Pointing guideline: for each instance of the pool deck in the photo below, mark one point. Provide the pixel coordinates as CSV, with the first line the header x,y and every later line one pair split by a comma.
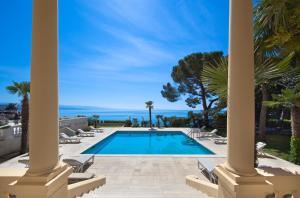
x,y
149,176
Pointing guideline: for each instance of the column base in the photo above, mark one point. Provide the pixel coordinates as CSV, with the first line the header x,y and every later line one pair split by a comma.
x,y
54,184
235,186
247,173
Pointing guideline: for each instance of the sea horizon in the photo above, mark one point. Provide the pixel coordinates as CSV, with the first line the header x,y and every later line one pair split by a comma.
x,y
118,114
107,113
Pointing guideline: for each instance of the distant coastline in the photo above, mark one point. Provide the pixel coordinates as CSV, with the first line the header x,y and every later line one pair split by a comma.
x,y
115,114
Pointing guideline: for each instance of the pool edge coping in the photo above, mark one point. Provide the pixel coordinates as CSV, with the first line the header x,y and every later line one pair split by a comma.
x,y
183,130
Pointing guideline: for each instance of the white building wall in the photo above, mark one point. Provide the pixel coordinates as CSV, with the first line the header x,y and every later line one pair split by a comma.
x,y
74,123
10,136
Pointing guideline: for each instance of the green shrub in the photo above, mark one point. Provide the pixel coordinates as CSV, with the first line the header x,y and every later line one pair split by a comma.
x,y
195,119
176,121
219,121
128,123
295,150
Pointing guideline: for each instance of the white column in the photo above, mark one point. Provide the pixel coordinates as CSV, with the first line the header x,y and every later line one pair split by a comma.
x,y
43,114
240,122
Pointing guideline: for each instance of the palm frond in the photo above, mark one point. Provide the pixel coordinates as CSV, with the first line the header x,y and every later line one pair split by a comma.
x,y
22,88
149,104
215,76
287,98
12,89
270,68
272,103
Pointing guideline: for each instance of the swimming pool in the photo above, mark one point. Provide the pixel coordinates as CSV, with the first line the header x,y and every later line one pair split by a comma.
x,y
148,142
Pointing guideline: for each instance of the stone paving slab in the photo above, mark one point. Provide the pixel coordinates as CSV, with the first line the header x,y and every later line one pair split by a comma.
x,y
139,177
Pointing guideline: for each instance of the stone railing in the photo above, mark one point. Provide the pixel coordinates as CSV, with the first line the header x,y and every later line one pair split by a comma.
x,y
74,123
9,175
284,184
8,131
280,184
206,187
10,139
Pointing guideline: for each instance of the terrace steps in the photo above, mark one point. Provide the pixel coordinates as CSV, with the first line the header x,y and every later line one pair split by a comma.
x,y
140,191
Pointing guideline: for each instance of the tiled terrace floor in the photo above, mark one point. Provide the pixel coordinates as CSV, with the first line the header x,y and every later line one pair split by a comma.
x,y
145,177
149,176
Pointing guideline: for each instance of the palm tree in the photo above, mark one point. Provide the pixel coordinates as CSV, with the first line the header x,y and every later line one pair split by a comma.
x,y
290,98
276,35
158,117
23,90
267,70
149,105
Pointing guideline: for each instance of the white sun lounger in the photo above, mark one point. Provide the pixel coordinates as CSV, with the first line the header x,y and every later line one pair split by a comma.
x,y
97,130
209,134
25,160
71,133
78,177
79,162
260,146
221,140
65,139
207,166
82,133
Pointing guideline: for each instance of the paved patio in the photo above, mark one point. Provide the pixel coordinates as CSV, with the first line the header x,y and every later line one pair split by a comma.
x,y
152,176
145,177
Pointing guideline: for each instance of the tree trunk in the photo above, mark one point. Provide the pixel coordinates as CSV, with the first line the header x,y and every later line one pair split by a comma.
x,y
263,114
284,112
158,123
295,121
24,121
255,151
295,139
150,118
204,105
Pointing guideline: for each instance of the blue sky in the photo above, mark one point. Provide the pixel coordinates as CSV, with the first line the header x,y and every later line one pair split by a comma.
x,y
114,53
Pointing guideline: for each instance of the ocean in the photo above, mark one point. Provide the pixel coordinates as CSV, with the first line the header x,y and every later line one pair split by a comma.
x,y
118,114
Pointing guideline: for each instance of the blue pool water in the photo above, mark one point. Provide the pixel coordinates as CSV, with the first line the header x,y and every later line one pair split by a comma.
x,y
145,142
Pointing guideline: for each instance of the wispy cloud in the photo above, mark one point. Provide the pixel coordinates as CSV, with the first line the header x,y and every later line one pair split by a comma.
x,y
136,41
150,17
127,49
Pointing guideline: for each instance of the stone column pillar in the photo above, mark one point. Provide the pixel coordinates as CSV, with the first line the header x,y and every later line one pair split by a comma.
x,y
240,119
238,178
46,177
43,111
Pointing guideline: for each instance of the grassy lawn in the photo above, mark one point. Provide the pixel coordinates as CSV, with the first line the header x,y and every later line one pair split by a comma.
x,y
278,145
